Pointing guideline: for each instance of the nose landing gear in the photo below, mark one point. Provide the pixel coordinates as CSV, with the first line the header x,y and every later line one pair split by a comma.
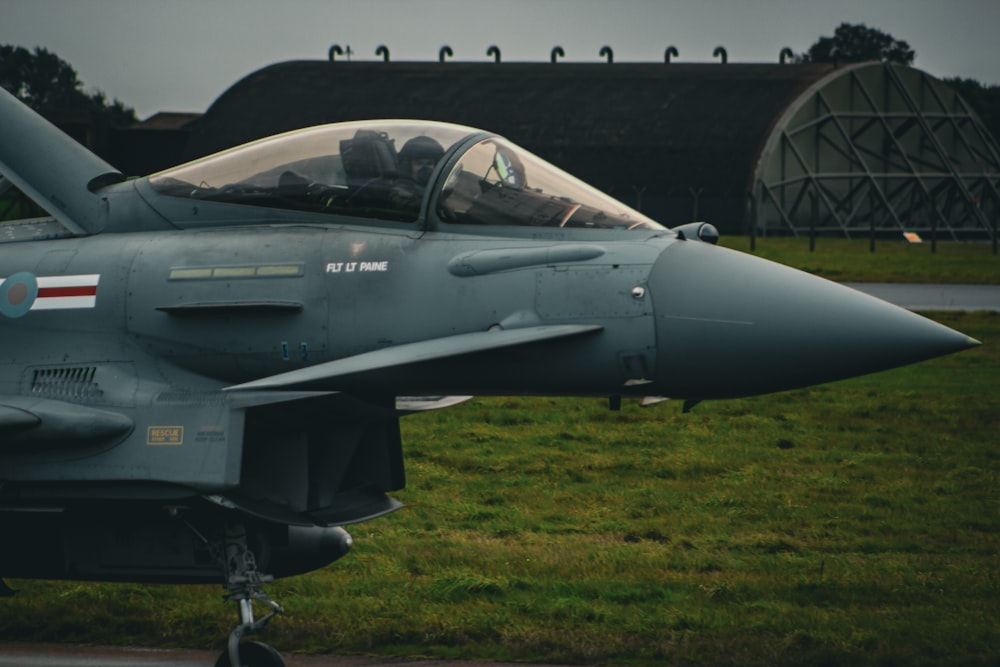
x,y
244,581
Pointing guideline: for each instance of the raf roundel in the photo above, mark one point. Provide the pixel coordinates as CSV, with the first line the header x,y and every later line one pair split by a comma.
x,y
17,294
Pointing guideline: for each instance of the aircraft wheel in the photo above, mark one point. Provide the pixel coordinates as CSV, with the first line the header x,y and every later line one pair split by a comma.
x,y
253,654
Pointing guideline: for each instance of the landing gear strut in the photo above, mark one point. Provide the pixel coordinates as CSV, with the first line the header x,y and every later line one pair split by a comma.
x,y
243,583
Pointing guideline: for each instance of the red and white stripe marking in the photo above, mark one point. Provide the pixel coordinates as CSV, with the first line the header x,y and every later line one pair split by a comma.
x,y
66,292
62,292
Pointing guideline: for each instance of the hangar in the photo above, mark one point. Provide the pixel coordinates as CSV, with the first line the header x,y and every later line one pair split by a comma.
x,y
761,148
878,147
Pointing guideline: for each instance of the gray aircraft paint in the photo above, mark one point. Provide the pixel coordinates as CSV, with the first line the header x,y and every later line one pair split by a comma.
x,y
212,365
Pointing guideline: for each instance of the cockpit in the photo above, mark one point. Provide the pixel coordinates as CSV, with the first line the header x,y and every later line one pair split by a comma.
x,y
391,171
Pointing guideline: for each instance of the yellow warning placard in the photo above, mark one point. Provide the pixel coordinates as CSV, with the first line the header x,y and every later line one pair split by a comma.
x,y
165,435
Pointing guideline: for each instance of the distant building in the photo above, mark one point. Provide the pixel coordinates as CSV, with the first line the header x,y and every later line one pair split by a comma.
x,y
152,144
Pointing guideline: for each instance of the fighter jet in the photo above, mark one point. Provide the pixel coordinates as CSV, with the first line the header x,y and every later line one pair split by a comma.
x,y
202,371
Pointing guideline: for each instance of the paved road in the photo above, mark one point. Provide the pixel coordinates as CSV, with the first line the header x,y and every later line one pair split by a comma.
x,y
934,297
15,654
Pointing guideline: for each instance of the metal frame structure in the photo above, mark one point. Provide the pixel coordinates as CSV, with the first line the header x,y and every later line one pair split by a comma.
x,y
879,148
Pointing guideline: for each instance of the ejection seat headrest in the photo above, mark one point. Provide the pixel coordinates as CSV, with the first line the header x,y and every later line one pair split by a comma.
x,y
370,154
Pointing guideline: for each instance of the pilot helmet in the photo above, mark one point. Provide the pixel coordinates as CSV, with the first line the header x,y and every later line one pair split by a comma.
x,y
418,157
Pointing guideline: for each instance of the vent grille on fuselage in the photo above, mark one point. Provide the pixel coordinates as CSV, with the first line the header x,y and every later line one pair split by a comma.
x,y
73,383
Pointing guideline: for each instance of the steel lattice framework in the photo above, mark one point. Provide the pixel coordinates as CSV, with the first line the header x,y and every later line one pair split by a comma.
x,y
879,148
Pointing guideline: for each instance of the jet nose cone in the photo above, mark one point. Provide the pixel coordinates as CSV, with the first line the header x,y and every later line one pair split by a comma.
x,y
730,324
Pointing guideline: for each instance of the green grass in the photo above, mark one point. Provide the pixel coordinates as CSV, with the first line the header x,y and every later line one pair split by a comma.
x,y
852,523
893,261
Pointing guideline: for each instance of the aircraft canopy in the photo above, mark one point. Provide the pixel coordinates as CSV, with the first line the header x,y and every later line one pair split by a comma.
x,y
388,170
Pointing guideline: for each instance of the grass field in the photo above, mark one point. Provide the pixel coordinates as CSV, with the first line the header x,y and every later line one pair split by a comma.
x,y
893,261
856,523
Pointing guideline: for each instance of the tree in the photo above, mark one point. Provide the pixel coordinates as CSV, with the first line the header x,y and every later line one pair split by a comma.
x,y
46,82
858,43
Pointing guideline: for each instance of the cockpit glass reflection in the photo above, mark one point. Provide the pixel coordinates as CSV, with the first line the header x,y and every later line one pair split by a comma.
x,y
497,183
368,170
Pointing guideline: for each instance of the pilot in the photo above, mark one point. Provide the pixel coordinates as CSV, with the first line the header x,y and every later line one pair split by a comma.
x,y
417,160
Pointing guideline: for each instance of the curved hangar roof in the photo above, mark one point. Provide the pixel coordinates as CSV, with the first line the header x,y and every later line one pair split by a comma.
x,y
621,127
676,141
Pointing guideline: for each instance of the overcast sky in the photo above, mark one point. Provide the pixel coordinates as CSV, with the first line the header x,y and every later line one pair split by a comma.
x,y
179,55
